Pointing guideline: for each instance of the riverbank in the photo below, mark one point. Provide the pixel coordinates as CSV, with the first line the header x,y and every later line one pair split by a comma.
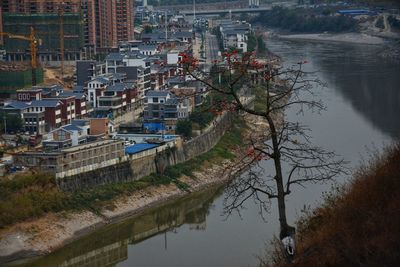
x,y
367,233
353,38
389,48
43,235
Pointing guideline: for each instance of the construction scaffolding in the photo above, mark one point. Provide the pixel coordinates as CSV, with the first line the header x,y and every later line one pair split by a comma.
x,y
47,26
17,75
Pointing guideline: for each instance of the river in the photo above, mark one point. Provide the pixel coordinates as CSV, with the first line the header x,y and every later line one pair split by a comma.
x,y
363,105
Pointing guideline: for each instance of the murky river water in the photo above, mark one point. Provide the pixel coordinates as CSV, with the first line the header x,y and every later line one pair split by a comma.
x,y
363,100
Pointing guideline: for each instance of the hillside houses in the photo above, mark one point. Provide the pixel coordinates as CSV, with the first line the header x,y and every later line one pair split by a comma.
x,y
234,34
166,107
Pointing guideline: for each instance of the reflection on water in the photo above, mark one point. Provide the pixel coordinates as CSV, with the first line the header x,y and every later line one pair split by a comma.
x,y
369,83
109,246
363,99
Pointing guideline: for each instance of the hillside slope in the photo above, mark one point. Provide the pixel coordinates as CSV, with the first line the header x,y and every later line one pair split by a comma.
x,y
360,226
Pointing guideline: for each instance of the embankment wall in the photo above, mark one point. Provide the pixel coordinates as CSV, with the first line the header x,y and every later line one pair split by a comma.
x,y
131,168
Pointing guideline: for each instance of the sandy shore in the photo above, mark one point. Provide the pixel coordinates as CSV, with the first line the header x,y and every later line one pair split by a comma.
x,y
52,231
354,38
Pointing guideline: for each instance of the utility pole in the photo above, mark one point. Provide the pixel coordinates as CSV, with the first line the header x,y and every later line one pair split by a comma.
x,y
5,123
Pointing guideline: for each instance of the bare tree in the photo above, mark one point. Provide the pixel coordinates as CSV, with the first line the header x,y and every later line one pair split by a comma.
x,y
288,144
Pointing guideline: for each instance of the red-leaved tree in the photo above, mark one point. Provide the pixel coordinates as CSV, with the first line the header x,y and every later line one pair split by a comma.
x,y
262,88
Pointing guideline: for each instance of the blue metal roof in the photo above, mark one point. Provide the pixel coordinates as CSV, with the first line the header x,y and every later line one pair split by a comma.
x,y
17,105
153,93
139,148
80,122
45,103
115,56
116,87
154,126
354,11
71,127
69,94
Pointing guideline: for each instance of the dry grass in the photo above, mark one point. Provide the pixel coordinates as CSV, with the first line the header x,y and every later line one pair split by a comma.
x,y
361,225
356,226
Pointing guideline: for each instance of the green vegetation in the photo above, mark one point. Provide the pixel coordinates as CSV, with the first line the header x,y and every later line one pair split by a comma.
x,y
260,103
184,128
394,22
202,116
261,47
28,196
32,195
301,20
251,42
13,123
255,42
357,225
379,23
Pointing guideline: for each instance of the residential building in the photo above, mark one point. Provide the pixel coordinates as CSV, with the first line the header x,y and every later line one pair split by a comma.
x,y
148,49
113,98
51,91
51,109
109,22
67,107
165,106
81,107
101,126
155,106
27,95
235,34
86,70
66,136
37,116
97,85
135,67
114,60
89,155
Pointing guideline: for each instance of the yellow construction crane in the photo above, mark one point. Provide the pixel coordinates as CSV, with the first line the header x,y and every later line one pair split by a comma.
x,y
34,42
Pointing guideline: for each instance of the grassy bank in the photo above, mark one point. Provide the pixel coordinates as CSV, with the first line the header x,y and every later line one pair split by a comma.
x,y
302,20
32,195
359,225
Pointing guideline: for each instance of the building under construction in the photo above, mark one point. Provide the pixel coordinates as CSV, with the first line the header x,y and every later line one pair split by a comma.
x,y
47,26
17,75
88,26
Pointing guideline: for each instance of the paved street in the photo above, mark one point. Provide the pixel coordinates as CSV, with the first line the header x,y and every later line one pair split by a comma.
x,y
212,50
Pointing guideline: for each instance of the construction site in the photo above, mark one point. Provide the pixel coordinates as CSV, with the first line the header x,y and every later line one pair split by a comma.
x,y
51,29
49,35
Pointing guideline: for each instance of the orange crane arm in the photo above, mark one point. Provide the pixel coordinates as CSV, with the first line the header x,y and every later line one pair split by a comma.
x,y
15,36
33,43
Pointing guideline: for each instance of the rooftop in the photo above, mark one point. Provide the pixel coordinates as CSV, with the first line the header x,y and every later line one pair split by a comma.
x,y
89,145
17,105
116,87
137,148
152,93
45,103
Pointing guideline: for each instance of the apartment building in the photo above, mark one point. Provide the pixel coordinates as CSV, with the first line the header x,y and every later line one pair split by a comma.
x,y
108,22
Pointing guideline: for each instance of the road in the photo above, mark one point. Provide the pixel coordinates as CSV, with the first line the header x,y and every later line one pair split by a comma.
x,y
212,49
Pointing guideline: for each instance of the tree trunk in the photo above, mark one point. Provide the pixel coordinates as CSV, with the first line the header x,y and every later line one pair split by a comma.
x,y
285,229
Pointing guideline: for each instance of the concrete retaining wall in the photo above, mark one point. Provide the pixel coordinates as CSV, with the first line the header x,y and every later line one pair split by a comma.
x,y
131,168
